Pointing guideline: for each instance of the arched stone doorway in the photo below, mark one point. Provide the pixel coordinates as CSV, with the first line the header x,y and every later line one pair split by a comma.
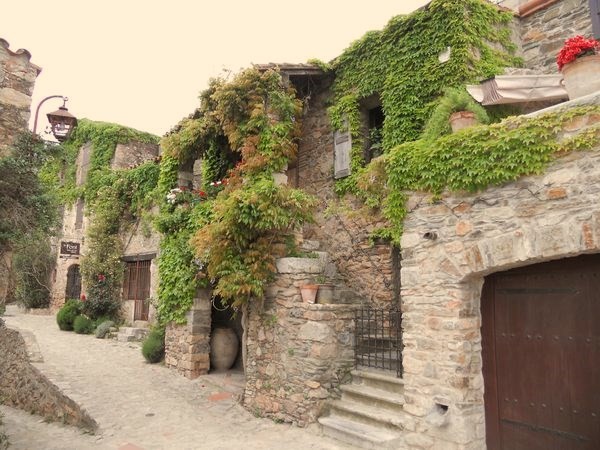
x,y
541,355
73,288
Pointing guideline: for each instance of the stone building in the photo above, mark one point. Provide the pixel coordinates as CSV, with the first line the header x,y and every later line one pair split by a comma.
x,y
494,288
140,246
17,79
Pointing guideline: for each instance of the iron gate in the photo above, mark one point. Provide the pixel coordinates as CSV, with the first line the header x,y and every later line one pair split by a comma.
x,y
378,338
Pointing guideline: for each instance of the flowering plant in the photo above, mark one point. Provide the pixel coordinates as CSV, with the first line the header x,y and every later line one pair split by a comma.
x,y
574,48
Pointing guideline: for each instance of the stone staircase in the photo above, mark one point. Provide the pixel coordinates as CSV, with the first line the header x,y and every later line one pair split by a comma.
x,y
370,413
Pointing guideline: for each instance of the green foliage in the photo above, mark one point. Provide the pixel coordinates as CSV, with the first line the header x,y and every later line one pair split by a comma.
x,y
33,262
67,314
251,121
83,325
102,298
153,347
400,64
478,157
454,100
25,206
103,328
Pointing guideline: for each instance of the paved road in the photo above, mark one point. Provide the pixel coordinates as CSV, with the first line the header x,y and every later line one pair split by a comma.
x,y
141,406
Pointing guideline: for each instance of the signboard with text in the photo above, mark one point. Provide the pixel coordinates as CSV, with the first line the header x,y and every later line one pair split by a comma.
x,y
69,248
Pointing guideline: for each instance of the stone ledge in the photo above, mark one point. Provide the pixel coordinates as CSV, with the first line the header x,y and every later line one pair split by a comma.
x,y
295,265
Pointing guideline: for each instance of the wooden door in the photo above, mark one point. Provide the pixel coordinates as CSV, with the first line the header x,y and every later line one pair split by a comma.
x,y
73,288
541,356
136,287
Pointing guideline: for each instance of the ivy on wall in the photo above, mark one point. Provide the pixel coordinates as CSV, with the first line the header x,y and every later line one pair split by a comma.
x,y
401,65
245,130
113,198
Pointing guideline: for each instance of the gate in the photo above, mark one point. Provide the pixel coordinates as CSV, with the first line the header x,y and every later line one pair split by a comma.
x,y
541,356
73,289
136,287
378,338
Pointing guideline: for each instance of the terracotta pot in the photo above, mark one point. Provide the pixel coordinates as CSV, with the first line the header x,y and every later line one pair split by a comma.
x,y
582,76
309,292
224,346
462,119
325,294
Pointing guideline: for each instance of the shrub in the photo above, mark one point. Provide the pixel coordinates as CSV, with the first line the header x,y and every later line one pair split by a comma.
x,y
33,262
100,301
103,329
153,347
4,444
83,325
67,314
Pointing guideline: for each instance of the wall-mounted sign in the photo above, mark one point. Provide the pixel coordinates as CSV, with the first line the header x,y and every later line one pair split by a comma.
x,y
69,248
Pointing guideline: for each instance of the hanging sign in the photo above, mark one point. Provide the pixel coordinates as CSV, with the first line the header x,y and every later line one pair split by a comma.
x,y
69,248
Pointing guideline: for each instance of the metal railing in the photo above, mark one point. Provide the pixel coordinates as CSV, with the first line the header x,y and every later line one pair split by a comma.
x,y
378,338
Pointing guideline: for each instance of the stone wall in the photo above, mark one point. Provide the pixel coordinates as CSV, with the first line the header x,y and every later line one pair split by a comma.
x,y
531,220
187,346
342,233
297,353
17,78
23,386
544,31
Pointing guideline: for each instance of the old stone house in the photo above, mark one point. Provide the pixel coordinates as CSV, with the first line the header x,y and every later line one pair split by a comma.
x,y
495,289
139,242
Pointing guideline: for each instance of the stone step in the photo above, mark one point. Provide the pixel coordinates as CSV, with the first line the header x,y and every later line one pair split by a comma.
x,y
295,265
370,396
378,380
310,245
132,334
359,434
368,415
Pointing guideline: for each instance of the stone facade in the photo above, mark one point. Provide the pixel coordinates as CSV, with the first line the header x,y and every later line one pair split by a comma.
x,y
343,233
544,31
297,353
23,386
187,346
532,220
139,241
17,79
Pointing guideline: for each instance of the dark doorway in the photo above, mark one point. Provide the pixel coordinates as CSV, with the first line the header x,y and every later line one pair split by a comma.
x,y
541,356
73,289
136,287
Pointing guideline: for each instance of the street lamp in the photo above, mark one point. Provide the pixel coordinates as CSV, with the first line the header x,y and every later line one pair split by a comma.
x,y
61,121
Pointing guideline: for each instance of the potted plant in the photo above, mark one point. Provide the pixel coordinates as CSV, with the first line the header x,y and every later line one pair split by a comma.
x,y
579,62
455,110
309,292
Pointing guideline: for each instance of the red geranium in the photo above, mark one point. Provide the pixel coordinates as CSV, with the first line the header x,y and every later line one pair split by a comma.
x,y
574,48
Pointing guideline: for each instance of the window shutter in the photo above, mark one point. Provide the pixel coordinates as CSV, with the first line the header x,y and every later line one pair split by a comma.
x,y
342,141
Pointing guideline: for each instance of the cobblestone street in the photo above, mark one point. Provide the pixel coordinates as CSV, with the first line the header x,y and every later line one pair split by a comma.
x,y
138,405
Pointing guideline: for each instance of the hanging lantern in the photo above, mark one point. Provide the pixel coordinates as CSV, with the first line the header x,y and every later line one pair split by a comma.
x,y
62,122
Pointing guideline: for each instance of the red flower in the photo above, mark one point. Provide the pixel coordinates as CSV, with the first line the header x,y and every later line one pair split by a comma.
x,y
574,48
83,297
101,278
202,194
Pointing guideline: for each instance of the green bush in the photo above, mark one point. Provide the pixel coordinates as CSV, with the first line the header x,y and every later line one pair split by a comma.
x,y
153,347
103,329
83,325
100,301
67,314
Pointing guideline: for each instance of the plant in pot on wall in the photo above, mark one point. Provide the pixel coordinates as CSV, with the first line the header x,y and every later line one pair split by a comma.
x,y
309,292
455,110
579,62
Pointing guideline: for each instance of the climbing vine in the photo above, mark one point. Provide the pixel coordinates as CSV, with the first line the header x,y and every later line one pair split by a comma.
x,y
245,130
400,64
113,198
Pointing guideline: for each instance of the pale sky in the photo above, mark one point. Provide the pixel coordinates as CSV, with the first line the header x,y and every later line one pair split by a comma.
x,y
142,63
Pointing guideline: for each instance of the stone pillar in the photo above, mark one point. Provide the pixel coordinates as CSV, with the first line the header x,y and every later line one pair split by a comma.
x,y
187,346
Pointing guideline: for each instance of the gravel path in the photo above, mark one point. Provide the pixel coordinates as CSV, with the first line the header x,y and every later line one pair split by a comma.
x,y
138,405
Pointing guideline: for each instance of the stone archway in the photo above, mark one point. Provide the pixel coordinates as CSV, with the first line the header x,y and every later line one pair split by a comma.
x,y
448,248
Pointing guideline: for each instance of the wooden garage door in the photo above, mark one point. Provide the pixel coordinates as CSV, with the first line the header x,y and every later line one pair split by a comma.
x,y
541,356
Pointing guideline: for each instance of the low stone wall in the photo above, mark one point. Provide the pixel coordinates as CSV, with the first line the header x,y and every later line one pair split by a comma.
x,y
187,347
23,386
297,353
